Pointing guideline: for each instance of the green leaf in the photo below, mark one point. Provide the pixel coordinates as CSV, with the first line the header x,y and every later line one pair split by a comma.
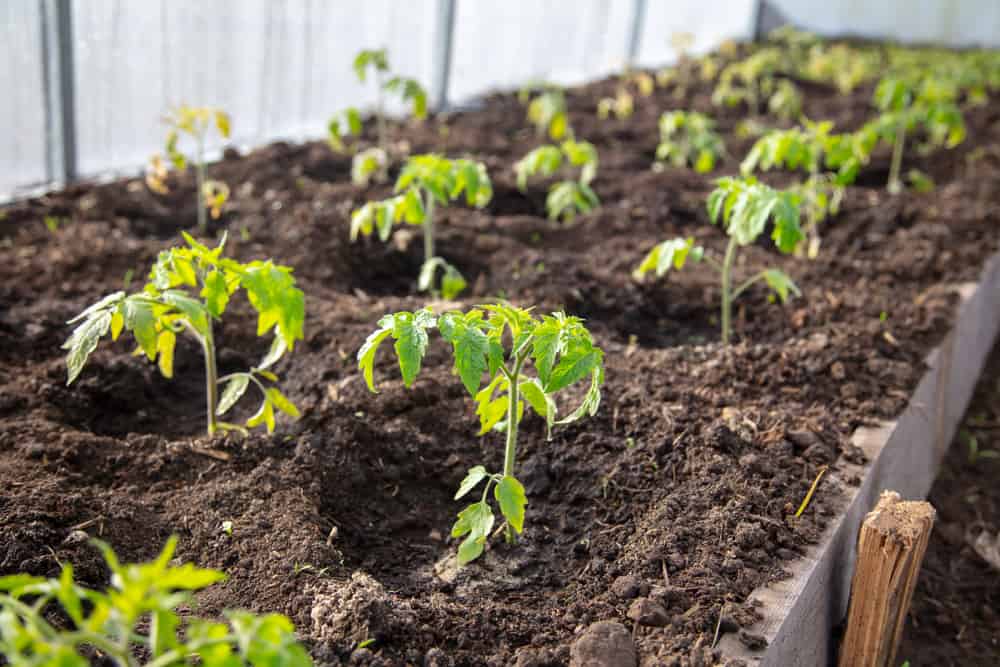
x,y
165,343
476,521
272,292
470,346
193,310
510,494
140,321
472,479
234,390
216,293
83,341
281,402
591,400
410,334
781,284
366,355
576,363
274,353
490,413
265,415
671,254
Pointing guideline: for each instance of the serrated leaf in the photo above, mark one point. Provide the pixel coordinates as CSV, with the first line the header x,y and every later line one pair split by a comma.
x,y
366,355
575,364
470,346
194,311
234,390
472,479
490,413
83,341
543,404
476,521
510,495
591,400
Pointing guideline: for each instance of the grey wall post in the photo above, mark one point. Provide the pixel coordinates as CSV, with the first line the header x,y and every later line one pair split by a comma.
x,y
59,94
445,29
634,39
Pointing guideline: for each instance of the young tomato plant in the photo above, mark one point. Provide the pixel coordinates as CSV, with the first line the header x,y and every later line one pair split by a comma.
x,y
905,107
547,112
140,614
196,123
409,90
566,198
808,148
751,81
498,341
188,289
744,207
425,182
689,138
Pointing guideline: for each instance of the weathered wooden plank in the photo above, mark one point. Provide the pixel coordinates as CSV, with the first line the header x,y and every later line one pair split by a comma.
x,y
799,613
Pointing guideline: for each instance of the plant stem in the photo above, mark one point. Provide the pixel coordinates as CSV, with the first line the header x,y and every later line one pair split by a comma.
x,y
510,451
727,295
200,184
211,378
429,229
895,186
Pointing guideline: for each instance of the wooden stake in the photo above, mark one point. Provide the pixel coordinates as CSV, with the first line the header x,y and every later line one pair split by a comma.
x,y
891,548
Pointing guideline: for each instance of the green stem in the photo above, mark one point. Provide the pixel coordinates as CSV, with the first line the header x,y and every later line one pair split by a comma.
x,y
199,196
510,451
742,288
895,186
211,382
211,373
429,229
727,295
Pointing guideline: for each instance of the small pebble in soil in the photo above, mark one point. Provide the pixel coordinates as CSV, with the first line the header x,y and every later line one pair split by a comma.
x,y
604,644
645,611
626,587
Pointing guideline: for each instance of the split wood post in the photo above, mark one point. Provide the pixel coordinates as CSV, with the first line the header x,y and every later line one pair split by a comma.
x,y
891,548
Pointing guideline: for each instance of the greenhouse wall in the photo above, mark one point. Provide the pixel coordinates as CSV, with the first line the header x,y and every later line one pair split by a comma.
x,y
282,68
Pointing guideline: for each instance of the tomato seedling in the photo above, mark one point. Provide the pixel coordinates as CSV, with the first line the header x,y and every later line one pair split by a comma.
x,y
566,198
905,106
743,206
426,181
809,148
196,123
145,611
689,138
547,111
497,341
373,162
169,304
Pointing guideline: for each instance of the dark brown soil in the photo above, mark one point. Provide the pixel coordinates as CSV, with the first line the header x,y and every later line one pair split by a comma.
x,y
955,615
679,490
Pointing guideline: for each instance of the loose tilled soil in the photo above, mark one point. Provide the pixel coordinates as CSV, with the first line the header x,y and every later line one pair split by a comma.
x,y
677,494
955,616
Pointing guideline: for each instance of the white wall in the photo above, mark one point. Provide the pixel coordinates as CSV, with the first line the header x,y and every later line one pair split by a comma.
x,y
22,124
948,22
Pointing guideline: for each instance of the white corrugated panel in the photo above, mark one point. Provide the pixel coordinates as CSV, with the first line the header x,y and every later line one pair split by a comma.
x,y
501,45
709,21
22,118
949,22
280,68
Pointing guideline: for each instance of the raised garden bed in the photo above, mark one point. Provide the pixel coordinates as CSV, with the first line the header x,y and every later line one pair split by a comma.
x,y
680,491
